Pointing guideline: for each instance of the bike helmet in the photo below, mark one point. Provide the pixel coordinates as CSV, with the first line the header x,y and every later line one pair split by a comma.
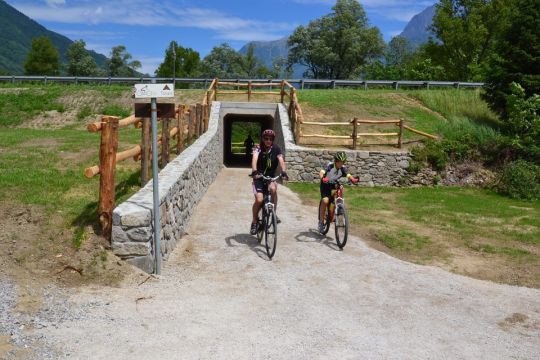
x,y
269,132
340,156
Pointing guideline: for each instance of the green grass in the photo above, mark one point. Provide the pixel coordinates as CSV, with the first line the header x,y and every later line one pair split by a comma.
x,y
422,224
17,106
33,171
458,104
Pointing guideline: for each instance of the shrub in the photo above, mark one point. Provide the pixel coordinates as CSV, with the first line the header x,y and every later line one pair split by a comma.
x,y
521,180
115,110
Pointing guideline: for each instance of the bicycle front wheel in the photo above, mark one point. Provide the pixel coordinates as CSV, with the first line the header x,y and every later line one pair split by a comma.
x,y
341,225
270,233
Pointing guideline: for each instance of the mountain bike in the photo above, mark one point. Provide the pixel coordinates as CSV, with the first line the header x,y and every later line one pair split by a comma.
x,y
267,220
336,213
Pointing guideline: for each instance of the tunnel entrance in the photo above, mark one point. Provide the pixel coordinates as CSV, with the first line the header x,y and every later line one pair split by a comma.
x,y
237,129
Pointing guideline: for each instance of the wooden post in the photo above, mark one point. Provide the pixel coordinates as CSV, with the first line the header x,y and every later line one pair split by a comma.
x,y
190,124
206,111
180,135
164,142
354,133
249,91
282,91
200,125
107,165
145,151
215,89
400,136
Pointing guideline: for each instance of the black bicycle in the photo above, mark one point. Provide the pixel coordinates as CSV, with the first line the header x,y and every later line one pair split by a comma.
x,y
267,220
336,213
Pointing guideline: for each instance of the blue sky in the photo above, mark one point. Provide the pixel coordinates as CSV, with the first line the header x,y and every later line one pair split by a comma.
x,y
147,27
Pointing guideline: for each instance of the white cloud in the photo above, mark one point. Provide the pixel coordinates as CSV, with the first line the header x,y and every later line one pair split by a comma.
x,y
55,3
149,64
145,13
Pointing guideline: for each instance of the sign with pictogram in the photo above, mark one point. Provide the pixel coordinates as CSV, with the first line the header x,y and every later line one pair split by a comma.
x,y
144,91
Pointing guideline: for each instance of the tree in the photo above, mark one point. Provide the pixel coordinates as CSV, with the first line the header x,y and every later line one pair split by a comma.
x,y
516,58
80,63
119,64
466,32
337,45
223,62
43,58
186,63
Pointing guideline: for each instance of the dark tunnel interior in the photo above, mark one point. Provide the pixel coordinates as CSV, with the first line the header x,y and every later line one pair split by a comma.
x,y
237,128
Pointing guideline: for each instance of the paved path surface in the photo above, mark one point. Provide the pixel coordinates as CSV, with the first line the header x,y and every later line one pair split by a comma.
x,y
225,300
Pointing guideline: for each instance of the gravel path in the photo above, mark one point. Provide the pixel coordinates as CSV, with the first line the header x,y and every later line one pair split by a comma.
x,y
225,300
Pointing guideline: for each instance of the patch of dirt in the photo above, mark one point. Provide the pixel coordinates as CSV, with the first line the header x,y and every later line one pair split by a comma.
x,y
46,143
51,120
518,320
35,252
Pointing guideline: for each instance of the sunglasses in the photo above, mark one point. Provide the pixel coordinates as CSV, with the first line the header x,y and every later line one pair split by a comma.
x,y
268,139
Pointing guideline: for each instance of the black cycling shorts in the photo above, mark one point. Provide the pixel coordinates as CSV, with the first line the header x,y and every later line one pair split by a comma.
x,y
258,186
326,190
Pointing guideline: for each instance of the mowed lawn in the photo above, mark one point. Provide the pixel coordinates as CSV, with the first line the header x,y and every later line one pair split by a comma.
x,y
469,231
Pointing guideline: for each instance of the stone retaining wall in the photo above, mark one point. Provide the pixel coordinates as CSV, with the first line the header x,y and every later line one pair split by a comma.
x,y
373,168
182,183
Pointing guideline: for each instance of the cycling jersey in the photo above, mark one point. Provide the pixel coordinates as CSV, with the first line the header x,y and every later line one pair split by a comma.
x,y
332,173
268,161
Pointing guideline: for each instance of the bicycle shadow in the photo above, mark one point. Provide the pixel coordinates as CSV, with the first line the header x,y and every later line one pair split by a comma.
x,y
314,236
250,241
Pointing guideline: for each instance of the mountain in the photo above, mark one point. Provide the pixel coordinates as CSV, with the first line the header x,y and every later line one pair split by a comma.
x,y
16,33
267,51
417,30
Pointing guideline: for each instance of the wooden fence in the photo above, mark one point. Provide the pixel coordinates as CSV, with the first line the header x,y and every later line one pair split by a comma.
x,y
356,135
190,122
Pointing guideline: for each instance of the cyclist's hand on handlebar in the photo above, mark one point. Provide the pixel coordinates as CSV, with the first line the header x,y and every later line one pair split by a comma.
x,y
284,175
325,180
254,173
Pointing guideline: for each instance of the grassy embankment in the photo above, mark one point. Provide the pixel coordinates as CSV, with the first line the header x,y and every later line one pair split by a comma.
x,y
465,230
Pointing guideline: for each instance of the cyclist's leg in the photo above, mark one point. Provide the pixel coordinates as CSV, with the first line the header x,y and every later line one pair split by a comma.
x,y
322,209
257,204
273,192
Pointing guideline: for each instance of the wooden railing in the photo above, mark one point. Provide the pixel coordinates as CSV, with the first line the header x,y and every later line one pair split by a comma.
x,y
355,135
190,122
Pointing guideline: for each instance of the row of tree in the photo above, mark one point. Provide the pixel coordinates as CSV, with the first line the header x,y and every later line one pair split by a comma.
x,y
222,62
44,59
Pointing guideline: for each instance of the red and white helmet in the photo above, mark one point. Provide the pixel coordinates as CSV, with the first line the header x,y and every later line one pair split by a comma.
x,y
269,132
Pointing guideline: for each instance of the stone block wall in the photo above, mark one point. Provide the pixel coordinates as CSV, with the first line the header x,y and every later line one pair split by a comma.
x,y
182,183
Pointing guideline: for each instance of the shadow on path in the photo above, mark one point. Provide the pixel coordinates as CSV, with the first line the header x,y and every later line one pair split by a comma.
x,y
314,236
250,241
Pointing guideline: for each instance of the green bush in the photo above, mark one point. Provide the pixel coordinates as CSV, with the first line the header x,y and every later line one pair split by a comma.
x,y
432,153
84,112
520,180
115,110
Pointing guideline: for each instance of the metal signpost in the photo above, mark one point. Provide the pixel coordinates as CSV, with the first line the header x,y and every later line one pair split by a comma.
x,y
153,91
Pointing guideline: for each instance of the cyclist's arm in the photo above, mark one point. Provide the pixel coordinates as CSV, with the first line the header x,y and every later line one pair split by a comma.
x,y
282,163
322,173
254,159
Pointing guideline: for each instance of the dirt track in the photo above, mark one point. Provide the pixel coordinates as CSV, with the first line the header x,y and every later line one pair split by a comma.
x,y
225,300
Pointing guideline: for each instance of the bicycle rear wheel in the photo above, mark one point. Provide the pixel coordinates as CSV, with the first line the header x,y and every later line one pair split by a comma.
x,y
270,233
341,225
326,220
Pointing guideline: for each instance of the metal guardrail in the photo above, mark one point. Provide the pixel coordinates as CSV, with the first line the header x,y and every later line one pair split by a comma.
x,y
300,83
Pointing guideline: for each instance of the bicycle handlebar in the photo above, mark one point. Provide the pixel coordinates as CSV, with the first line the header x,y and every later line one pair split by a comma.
x,y
267,178
341,182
